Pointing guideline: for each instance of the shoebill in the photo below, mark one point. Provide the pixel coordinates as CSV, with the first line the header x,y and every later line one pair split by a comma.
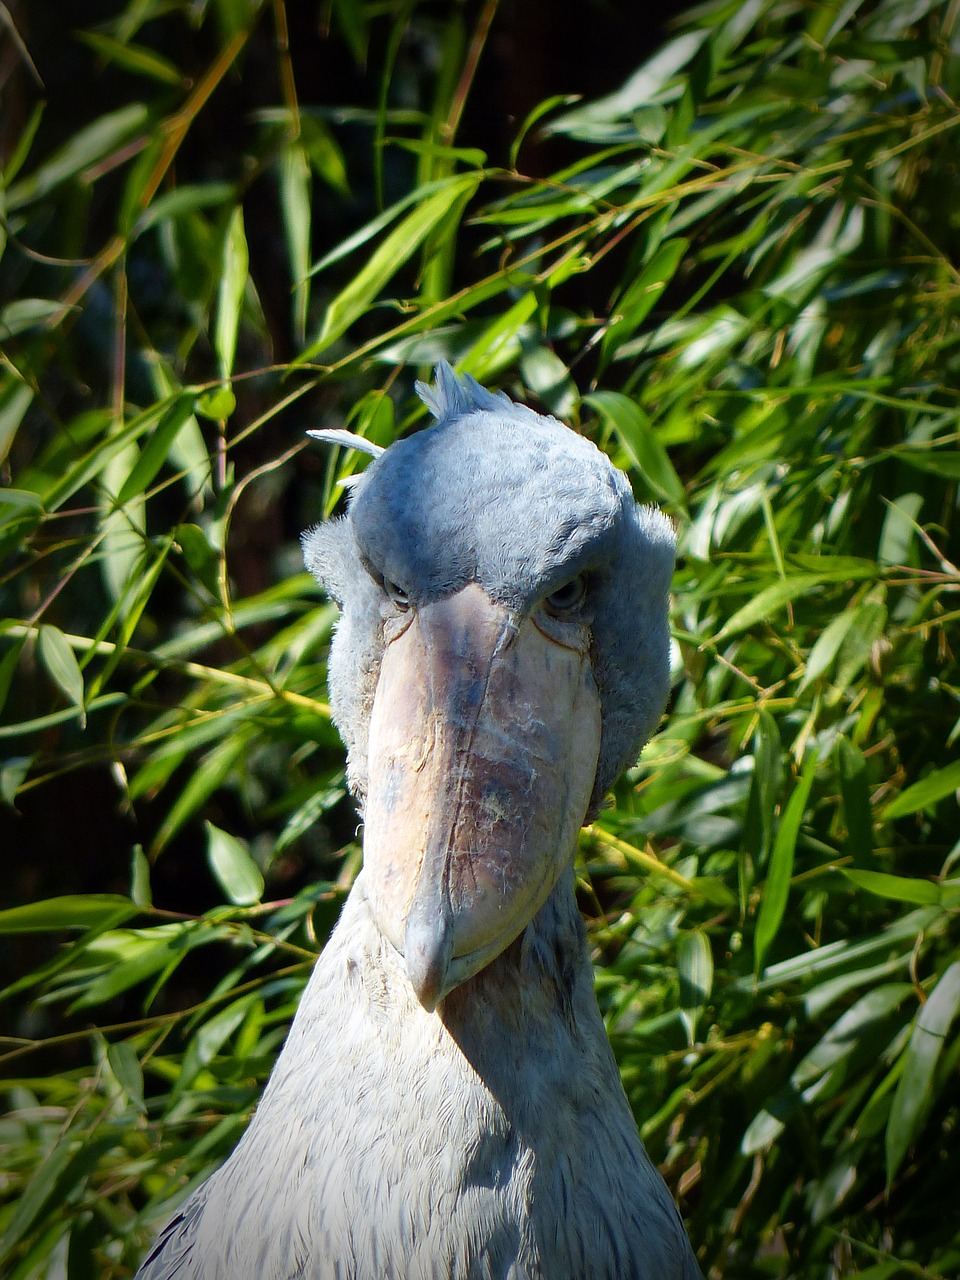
x,y
447,1105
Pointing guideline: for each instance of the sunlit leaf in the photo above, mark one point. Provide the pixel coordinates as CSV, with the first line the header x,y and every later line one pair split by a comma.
x,y
294,178
635,432
233,282
238,875
695,971
387,258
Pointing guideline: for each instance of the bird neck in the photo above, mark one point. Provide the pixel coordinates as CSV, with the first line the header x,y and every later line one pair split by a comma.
x,y
535,994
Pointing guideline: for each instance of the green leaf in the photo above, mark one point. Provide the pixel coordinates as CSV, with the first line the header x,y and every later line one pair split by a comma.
x,y
928,791
39,1190
233,282
214,768
203,559
84,149
635,432
125,1066
208,1041
549,379
154,453
8,666
695,971
825,647
899,888
80,911
217,404
776,888
295,204
61,664
938,462
915,1088
28,313
132,57
122,526
236,872
768,602
140,892
760,819
130,956
641,295
13,774
855,790
388,257
184,200
15,399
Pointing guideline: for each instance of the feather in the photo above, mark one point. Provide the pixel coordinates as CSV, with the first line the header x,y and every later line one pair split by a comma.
x,y
348,440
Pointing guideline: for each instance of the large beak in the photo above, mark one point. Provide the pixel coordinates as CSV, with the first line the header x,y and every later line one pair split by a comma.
x,y
483,749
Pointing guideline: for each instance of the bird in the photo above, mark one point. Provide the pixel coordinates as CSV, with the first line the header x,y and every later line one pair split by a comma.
x,y
447,1105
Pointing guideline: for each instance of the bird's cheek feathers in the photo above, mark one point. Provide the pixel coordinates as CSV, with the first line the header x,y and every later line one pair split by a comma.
x,y
481,761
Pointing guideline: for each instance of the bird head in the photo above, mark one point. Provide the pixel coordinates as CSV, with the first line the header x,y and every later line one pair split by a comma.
x,y
502,655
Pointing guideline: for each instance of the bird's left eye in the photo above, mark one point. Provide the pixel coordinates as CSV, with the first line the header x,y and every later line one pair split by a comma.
x,y
568,597
398,597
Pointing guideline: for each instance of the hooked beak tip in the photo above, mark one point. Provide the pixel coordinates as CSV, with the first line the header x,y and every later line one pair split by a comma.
x,y
428,947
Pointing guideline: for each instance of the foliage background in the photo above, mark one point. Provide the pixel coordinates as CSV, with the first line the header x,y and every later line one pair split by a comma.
x,y
733,263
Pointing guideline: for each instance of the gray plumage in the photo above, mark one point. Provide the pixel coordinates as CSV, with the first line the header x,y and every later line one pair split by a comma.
x,y
488,1137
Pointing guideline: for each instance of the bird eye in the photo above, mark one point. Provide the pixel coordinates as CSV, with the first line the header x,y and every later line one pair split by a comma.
x,y
568,597
397,596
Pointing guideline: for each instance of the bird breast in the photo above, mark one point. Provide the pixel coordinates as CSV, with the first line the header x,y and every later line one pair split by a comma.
x,y
488,1141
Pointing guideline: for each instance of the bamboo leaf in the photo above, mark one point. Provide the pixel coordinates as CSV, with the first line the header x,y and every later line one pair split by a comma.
x,y
635,432
776,888
642,294
233,282
154,454
398,247
928,791
237,873
899,888
768,602
760,820
915,1088
295,203
208,1041
84,148
28,313
8,666
826,646
132,57
79,911
61,664
855,790
695,971
125,1066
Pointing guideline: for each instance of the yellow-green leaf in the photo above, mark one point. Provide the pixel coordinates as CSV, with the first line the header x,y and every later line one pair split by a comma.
x,y
936,785
233,282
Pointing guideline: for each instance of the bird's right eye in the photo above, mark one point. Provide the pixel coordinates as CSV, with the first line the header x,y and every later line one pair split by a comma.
x,y
397,596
